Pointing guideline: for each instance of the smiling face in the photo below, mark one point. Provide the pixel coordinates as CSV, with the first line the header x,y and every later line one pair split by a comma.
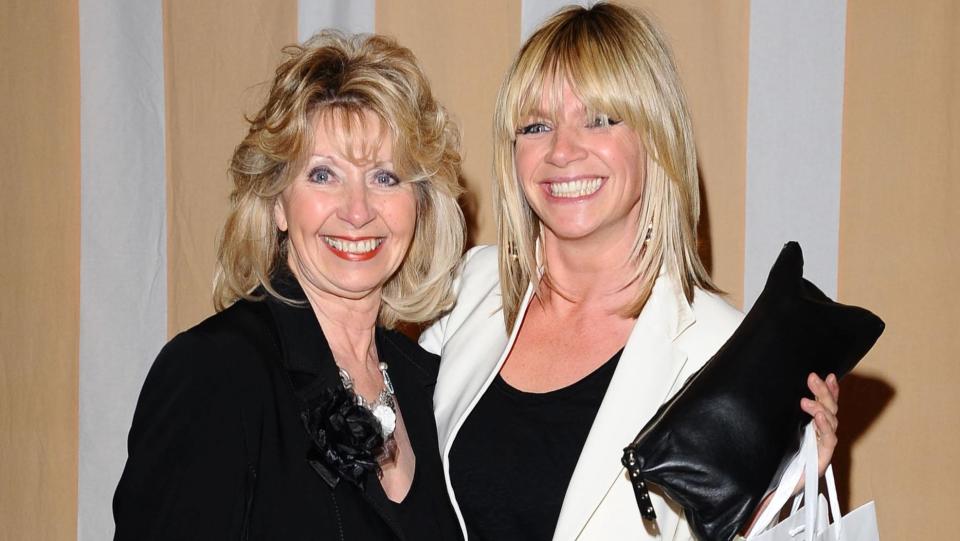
x,y
583,177
348,217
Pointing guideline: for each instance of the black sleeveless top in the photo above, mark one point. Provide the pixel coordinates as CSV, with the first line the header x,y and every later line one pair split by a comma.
x,y
514,456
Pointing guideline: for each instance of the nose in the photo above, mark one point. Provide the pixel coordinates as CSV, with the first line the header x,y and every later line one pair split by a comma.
x,y
565,146
355,208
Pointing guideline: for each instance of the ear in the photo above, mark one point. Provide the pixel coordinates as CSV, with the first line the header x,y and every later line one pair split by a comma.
x,y
279,214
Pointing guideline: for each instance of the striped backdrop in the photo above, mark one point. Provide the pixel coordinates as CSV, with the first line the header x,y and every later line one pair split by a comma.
x,y
831,122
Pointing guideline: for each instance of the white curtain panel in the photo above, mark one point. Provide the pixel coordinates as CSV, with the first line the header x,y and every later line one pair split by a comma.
x,y
123,263
534,12
350,16
794,121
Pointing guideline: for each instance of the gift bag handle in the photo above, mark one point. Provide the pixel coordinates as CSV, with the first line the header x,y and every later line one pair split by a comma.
x,y
804,464
789,479
812,488
834,504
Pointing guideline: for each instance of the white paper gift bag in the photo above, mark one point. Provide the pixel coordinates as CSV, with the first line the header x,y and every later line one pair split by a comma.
x,y
811,522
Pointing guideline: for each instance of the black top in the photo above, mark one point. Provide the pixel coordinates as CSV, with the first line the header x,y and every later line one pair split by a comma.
x,y
513,457
218,450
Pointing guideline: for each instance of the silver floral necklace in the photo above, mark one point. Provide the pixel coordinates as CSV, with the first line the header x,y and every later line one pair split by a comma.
x,y
384,408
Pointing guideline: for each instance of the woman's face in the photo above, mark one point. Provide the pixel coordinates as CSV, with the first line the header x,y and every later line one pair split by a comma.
x,y
349,218
582,176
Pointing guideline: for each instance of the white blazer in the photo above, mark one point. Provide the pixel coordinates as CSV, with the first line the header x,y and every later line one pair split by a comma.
x,y
670,341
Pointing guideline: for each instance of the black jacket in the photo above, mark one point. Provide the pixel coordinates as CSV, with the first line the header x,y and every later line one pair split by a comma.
x,y
217,449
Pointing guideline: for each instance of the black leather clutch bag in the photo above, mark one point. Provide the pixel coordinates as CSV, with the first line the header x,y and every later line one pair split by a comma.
x,y
720,444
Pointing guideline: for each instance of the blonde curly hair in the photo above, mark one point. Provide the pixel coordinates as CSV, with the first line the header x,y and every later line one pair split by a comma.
x,y
346,76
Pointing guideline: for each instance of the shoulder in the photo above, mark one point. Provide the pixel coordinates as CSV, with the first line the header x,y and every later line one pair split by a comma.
x,y
715,320
479,257
477,288
224,351
478,280
479,269
204,381
713,310
195,428
245,324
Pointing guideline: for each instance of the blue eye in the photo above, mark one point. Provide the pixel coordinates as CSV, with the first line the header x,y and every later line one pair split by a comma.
x,y
320,175
602,121
533,129
386,178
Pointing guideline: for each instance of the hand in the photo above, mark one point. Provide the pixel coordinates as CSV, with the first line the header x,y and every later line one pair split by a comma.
x,y
824,412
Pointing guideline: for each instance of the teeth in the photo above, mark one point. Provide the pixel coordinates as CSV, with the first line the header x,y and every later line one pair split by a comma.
x,y
575,188
353,246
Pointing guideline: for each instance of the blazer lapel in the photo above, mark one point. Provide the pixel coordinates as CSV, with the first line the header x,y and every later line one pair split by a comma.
x,y
647,371
481,346
308,362
472,357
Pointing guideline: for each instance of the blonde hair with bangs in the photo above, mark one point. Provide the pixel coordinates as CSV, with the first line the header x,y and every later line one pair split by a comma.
x,y
618,64
334,79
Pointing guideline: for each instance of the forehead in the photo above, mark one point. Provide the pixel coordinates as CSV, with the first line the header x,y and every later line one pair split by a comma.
x,y
556,95
555,98
358,136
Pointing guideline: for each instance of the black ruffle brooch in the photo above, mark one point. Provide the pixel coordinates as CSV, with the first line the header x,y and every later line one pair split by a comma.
x,y
345,438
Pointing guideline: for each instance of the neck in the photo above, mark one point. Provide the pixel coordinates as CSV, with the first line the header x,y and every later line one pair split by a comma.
x,y
348,325
587,273
349,330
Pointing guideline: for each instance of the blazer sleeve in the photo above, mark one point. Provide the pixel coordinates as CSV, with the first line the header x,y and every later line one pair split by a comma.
x,y
187,475
434,337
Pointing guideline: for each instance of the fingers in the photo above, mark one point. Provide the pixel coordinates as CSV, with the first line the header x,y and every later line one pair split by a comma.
x,y
834,385
826,432
824,412
826,392
826,442
818,411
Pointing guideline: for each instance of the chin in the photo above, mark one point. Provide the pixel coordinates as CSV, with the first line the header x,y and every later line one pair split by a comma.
x,y
355,291
572,231
358,282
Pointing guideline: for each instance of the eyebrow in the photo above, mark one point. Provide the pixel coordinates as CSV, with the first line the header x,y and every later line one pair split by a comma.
x,y
384,164
539,112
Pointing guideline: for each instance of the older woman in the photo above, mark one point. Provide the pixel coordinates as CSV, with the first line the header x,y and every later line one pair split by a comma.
x,y
295,412
596,307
